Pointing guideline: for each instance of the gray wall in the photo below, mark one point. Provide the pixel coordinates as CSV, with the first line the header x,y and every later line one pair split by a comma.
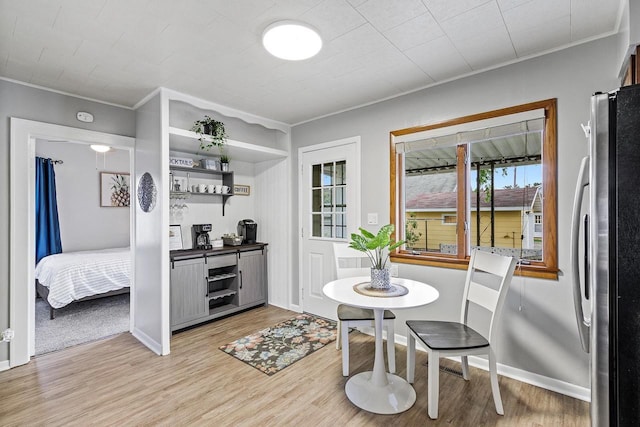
x,y
539,333
84,224
34,104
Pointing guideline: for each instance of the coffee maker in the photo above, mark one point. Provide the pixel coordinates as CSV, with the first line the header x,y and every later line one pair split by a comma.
x,y
200,234
248,230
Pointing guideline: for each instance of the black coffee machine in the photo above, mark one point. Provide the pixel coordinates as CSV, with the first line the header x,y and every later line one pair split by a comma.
x,y
248,230
200,236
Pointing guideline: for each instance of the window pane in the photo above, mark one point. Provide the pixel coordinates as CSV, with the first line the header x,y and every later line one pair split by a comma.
x,y
327,226
316,200
316,225
315,176
327,174
341,197
430,191
327,200
341,226
508,218
341,173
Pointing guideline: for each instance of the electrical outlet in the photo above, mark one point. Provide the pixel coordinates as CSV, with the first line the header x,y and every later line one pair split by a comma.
x,y
372,218
393,271
8,335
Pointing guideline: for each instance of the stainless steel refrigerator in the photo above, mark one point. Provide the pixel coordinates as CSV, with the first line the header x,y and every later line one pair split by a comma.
x,y
605,256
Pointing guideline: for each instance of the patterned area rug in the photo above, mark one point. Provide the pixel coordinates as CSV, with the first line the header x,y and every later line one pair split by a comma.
x,y
273,349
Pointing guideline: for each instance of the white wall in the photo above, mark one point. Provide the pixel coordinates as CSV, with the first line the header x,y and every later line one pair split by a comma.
x,y
84,224
539,332
150,297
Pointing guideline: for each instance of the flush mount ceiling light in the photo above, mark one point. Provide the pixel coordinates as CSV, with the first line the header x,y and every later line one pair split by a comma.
x,y
100,148
291,40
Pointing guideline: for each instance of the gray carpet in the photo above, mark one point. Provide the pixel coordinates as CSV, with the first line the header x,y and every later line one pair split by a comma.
x,y
80,322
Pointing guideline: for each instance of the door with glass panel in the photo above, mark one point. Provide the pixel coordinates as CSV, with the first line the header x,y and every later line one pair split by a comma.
x,y
329,188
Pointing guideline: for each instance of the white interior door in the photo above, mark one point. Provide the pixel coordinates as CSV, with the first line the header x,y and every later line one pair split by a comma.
x,y
330,212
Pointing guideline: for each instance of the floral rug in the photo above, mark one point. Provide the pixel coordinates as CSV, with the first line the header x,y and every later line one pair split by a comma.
x,y
273,349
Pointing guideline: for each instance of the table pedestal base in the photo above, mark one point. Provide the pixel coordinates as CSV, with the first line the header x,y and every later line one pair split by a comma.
x,y
392,398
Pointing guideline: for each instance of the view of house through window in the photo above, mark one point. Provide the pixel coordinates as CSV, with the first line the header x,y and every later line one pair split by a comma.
x,y
479,186
328,200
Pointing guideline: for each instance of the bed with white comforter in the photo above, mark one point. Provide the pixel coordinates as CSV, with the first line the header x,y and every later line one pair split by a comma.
x,y
75,275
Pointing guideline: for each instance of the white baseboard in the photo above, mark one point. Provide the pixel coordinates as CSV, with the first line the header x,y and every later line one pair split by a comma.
x,y
537,380
293,307
4,365
145,339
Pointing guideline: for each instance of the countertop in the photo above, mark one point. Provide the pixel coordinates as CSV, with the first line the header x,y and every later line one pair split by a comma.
x,y
195,253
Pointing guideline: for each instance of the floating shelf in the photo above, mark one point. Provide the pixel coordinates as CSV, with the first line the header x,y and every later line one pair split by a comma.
x,y
186,141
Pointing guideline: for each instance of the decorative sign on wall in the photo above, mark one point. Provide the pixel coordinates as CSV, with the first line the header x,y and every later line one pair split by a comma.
x,y
147,192
241,190
114,189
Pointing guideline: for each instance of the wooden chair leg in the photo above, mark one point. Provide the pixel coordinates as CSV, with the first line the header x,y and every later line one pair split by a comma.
x,y
465,367
495,389
338,335
433,383
411,357
345,350
391,346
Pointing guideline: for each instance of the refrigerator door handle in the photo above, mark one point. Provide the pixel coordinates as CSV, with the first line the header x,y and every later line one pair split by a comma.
x,y
583,181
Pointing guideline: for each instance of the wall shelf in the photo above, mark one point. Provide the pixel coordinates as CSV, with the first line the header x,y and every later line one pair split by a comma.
x,y
186,141
227,179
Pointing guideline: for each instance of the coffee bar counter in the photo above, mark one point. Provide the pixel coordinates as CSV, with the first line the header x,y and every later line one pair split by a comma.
x,y
207,284
181,254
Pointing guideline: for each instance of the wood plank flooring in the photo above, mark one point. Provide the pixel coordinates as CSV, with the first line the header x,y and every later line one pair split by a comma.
x,y
117,381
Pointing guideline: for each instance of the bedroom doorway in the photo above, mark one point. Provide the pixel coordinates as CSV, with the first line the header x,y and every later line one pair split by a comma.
x,y
83,292
23,136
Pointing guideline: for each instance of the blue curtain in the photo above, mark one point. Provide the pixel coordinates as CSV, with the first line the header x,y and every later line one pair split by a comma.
x,y
47,225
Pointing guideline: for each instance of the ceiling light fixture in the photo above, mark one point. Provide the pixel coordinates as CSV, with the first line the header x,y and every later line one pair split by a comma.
x,y
291,40
100,148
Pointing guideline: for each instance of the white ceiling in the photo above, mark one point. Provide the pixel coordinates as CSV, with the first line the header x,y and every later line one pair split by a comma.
x,y
118,51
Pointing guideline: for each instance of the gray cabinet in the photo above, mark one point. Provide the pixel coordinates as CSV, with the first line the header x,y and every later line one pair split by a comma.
x,y
252,267
206,285
188,291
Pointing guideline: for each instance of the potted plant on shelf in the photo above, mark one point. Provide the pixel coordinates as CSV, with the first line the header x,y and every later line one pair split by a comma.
x,y
377,247
224,162
210,132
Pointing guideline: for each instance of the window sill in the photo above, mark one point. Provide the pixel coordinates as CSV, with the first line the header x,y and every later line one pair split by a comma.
x,y
539,271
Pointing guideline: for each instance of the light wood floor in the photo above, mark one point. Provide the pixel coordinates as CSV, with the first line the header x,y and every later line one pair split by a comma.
x,y
117,381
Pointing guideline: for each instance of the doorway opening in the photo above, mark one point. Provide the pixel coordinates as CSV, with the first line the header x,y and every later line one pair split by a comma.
x,y
22,258
82,291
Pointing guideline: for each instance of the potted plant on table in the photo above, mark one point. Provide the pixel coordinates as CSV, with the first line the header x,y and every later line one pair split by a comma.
x,y
377,247
210,132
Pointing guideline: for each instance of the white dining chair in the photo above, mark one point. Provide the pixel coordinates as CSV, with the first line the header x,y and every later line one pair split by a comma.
x,y
445,339
348,263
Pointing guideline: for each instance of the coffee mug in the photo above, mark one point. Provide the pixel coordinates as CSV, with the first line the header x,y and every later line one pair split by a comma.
x,y
202,188
211,188
225,189
219,188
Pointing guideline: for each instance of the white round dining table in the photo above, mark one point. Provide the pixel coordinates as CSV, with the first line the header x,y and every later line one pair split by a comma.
x,y
378,391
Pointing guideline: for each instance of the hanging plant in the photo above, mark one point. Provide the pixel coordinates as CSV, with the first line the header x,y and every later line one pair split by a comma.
x,y
210,132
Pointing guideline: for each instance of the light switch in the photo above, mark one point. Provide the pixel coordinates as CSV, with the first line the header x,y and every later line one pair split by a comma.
x,y
372,218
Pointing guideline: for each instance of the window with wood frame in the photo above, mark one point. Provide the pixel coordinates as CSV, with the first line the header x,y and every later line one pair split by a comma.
x,y
488,180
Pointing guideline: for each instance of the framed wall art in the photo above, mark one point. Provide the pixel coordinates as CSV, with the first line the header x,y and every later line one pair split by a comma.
x,y
114,189
175,237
